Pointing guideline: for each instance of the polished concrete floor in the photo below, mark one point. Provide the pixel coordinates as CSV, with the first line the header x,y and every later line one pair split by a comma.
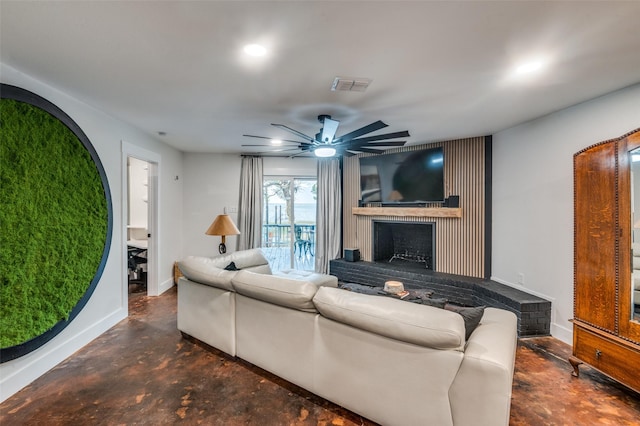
x,y
142,372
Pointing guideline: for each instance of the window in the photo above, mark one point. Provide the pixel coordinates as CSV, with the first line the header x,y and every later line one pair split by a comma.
x,y
289,222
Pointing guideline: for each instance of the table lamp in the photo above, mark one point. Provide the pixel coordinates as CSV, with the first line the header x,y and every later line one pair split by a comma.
x,y
223,226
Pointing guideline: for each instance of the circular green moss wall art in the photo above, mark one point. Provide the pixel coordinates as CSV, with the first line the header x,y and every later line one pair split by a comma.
x,y
55,221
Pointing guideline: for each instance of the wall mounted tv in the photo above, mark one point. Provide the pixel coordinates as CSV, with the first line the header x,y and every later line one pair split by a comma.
x,y
410,177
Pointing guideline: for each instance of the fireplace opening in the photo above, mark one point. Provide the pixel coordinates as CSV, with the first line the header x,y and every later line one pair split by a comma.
x,y
408,243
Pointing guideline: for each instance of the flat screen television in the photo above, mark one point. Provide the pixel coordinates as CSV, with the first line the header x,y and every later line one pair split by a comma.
x,y
403,177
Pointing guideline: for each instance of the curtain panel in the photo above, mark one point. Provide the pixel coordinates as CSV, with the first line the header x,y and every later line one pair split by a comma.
x,y
329,210
250,209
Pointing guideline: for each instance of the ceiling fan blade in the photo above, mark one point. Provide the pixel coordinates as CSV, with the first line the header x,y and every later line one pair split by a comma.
x,y
275,146
265,137
402,134
301,154
369,150
329,129
385,143
362,131
271,151
308,139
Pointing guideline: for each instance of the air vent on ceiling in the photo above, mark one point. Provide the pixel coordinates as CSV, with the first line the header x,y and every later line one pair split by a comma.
x,y
350,84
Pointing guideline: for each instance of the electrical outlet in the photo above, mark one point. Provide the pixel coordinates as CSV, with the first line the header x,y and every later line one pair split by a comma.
x,y
520,278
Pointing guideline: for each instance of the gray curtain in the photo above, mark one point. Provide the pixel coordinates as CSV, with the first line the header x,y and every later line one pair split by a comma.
x,y
329,211
250,209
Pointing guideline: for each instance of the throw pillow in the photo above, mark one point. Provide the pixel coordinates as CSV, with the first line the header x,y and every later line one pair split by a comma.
x,y
436,303
231,267
471,316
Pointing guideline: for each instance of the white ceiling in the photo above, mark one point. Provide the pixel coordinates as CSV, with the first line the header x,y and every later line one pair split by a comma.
x,y
441,70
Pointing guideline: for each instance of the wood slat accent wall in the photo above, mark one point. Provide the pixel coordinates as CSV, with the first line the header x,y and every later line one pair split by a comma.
x,y
460,242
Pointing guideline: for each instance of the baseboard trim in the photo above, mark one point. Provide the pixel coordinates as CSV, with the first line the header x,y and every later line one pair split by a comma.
x,y
51,354
562,333
165,285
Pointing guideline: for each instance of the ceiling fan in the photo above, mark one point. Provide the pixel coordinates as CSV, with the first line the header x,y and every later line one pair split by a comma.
x,y
326,144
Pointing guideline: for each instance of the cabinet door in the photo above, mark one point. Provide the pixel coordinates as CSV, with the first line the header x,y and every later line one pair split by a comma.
x,y
629,261
596,235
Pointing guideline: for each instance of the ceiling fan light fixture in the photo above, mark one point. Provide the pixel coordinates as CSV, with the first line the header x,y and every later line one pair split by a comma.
x,y
326,144
324,151
255,50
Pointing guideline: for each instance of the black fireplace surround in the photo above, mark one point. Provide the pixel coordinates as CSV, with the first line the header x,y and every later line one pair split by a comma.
x,y
409,243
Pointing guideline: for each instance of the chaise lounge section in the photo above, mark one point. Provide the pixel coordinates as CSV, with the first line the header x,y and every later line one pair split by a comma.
x,y
391,361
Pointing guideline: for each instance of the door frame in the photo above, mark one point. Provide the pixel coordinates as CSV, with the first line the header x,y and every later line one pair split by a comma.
x,y
153,267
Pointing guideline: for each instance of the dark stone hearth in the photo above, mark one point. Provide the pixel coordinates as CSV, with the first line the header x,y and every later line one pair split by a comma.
x,y
534,313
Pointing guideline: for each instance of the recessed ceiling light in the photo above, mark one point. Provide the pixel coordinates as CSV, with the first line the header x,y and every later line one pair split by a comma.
x,y
255,50
530,67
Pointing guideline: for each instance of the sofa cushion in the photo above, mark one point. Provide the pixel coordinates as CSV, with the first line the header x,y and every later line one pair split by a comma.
x,y
212,270
243,259
409,322
204,270
279,290
311,277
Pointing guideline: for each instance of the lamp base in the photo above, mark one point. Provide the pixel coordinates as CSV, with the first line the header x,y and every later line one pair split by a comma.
x,y
222,248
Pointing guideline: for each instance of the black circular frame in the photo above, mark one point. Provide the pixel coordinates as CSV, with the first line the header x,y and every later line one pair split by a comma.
x,y
22,95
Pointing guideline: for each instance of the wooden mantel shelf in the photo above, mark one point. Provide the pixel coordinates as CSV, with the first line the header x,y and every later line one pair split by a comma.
x,y
408,211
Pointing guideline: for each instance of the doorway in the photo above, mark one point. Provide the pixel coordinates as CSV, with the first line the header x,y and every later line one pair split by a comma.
x,y
140,231
137,224
289,222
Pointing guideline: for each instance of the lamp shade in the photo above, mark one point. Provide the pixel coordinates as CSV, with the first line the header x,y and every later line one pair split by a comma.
x,y
223,225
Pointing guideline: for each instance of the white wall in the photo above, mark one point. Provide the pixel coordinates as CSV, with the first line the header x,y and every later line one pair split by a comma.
x,y
533,196
107,305
213,182
285,166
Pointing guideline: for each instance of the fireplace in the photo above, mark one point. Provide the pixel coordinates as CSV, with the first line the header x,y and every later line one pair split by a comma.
x,y
410,244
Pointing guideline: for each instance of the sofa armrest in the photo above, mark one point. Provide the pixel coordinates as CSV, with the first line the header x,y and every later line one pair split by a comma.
x,y
203,270
487,369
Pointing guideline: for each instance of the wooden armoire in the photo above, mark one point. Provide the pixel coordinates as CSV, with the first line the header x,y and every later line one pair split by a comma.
x,y
606,324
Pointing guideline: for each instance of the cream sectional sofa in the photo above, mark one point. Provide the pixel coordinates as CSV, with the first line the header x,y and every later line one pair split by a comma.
x,y
391,361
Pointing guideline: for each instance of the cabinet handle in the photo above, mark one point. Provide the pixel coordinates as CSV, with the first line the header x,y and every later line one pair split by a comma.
x,y
598,353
